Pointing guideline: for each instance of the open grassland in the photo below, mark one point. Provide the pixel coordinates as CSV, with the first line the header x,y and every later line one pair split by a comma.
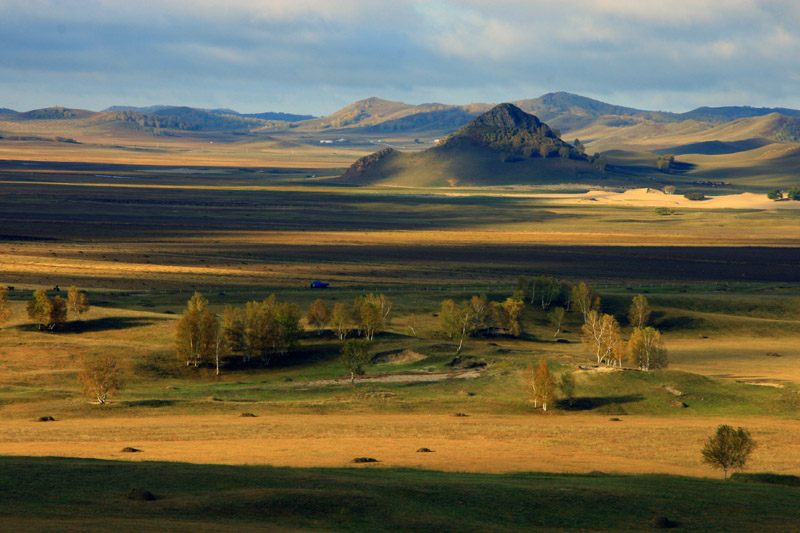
x,y
156,228
478,443
734,360
722,285
255,498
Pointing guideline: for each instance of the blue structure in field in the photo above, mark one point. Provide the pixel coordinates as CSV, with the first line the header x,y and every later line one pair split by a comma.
x,y
317,284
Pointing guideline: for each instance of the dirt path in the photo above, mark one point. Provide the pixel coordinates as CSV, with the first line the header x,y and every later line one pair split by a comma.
x,y
426,377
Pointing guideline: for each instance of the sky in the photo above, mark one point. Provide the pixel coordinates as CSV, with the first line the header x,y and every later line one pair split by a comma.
x,y
317,56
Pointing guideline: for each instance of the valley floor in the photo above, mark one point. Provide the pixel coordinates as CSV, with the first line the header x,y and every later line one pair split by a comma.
x,y
488,443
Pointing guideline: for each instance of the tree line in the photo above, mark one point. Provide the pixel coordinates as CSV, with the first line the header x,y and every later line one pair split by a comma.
x,y
270,329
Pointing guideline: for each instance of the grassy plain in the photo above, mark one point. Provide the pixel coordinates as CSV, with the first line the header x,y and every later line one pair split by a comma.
x,y
722,285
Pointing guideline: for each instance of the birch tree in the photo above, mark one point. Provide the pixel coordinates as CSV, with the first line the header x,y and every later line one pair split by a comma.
x,y
355,354
77,301
645,349
99,378
585,299
601,335
556,318
639,312
456,321
728,448
341,319
318,315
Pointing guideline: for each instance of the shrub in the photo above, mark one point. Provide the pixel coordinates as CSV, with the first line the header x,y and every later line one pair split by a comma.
x,y
664,211
694,196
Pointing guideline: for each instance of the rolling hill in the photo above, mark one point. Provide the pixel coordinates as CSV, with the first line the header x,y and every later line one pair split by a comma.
x,y
504,146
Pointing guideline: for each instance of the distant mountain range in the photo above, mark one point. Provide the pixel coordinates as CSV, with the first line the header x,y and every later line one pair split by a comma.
x,y
561,110
166,109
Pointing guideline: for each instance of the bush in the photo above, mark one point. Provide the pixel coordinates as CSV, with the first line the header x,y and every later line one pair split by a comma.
x,y
694,196
793,194
775,195
664,211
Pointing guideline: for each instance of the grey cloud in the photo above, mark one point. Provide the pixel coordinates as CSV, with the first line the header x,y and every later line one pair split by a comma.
x,y
315,55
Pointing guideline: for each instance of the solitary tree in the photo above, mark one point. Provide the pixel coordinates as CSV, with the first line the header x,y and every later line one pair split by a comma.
x,y
669,189
545,384
645,349
77,301
99,378
639,311
318,315
728,448
355,354
579,147
567,386
793,194
556,318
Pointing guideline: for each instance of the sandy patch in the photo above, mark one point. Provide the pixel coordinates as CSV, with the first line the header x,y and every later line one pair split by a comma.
x,y
646,197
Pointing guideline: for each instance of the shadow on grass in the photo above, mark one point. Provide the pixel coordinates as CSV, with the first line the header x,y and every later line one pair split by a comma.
x,y
679,323
587,403
98,324
148,403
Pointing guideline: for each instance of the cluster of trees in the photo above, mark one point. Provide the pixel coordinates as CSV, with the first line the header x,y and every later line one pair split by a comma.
x,y
602,334
265,330
479,315
368,315
664,162
51,313
792,194
269,329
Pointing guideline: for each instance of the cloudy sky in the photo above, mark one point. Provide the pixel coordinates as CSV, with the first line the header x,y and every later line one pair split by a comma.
x,y
316,56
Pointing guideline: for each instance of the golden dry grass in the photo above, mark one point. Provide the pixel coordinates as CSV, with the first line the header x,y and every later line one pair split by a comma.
x,y
481,443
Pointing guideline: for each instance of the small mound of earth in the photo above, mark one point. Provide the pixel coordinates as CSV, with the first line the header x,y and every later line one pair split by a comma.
x,y
424,450
247,415
662,522
461,414
46,419
129,449
615,419
398,357
681,405
141,495
673,390
365,460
